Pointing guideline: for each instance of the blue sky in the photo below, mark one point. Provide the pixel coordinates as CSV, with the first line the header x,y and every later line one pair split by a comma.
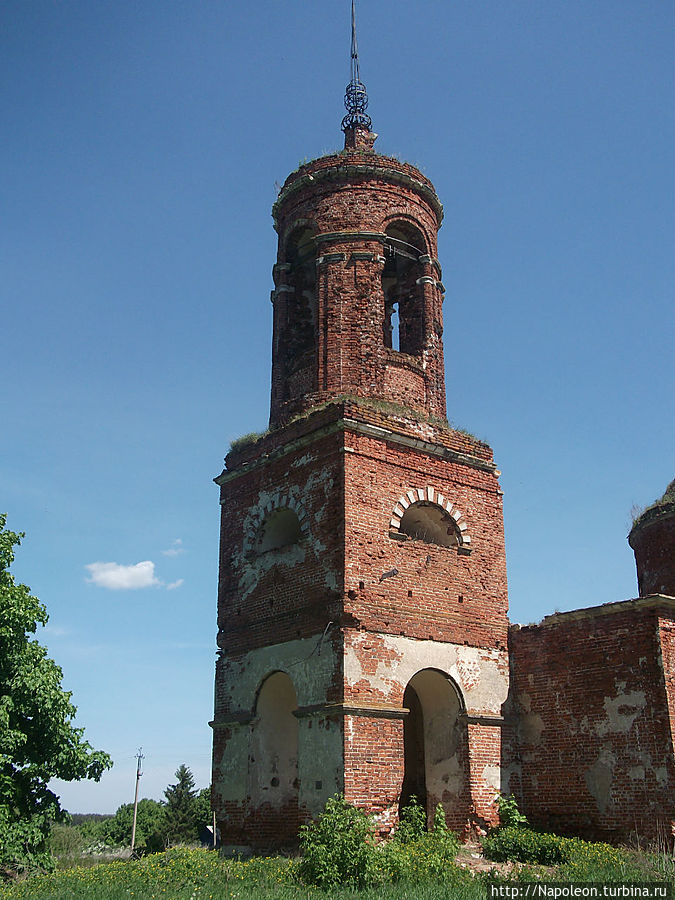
x,y
143,145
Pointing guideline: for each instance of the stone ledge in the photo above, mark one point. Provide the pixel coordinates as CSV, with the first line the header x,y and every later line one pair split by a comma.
x,y
371,710
652,601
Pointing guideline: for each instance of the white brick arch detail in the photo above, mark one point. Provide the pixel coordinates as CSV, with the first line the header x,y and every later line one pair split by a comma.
x,y
261,511
429,494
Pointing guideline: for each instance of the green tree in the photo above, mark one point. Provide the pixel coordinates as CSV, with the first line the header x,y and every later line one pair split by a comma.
x,y
181,808
38,740
203,814
150,825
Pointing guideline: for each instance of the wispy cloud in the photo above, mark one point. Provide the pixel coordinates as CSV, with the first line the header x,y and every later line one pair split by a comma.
x,y
56,630
175,549
116,577
174,585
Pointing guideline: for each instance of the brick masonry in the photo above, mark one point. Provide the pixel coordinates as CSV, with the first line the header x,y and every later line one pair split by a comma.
x,y
592,699
363,635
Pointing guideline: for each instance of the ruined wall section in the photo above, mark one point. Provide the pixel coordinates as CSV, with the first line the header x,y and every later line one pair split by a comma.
x,y
270,595
464,778
453,594
249,808
412,605
589,705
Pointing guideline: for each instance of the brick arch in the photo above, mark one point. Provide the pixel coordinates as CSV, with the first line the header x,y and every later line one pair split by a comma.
x,y
264,508
430,495
296,225
406,219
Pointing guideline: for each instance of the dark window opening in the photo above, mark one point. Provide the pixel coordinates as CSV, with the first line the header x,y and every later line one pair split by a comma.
x,y
403,325
300,326
280,529
428,522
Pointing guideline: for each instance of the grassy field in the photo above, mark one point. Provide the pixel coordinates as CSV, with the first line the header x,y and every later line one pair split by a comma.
x,y
184,874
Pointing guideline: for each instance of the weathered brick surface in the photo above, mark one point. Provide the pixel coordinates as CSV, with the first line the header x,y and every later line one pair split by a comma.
x,y
384,636
593,720
653,542
336,314
345,467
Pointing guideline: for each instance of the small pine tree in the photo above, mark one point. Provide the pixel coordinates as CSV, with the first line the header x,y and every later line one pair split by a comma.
x,y
181,808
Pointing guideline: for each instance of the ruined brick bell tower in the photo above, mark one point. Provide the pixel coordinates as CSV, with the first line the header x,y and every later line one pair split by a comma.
x,y
362,607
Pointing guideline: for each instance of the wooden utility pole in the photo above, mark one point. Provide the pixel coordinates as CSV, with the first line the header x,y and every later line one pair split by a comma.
x,y
139,757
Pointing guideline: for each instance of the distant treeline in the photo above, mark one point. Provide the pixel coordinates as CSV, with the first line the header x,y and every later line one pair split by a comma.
x,y
80,818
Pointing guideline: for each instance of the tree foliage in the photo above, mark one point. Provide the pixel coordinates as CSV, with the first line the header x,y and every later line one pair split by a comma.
x,y
181,808
38,740
150,825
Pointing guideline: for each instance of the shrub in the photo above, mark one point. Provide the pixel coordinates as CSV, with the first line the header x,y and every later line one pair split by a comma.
x,y
578,860
509,814
416,855
521,844
412,822
602,862
429,858
339,848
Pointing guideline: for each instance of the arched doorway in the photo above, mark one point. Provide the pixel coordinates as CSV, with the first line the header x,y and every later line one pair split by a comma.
x,y
273,764
436,758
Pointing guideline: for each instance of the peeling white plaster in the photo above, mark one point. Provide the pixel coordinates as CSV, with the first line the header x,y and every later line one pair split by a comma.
x,y
482,694
599,778
310,672
492,777
302,461
621,711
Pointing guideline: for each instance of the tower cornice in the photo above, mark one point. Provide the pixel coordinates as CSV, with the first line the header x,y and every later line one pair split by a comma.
x,y
351,166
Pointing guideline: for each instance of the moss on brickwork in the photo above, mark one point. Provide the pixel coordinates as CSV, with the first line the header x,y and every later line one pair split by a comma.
x,y
247,439
665,505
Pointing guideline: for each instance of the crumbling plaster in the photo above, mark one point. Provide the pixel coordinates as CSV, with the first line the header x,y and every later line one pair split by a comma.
x,y
480,674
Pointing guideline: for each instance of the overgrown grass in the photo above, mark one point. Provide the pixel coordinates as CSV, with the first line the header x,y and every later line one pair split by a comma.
x,y
182,874
417,872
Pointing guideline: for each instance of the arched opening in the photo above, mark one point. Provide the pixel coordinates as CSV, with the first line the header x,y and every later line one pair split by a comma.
x,y
280,529
273,761
436,757
403,327
301,310
429,522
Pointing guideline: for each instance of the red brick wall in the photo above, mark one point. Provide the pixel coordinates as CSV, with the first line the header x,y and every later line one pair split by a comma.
x,y
263,599
667,641
347,200
592,723
374,765
653,541
438,593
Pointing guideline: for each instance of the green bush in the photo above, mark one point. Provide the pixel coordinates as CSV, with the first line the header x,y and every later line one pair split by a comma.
x,y
430,857
66,843
602,862
578,860
520,844
509,814
339,848
412,822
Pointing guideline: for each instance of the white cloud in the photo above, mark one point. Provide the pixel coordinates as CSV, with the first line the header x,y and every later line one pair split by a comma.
x,y
175,549
56,630
116,577
174,585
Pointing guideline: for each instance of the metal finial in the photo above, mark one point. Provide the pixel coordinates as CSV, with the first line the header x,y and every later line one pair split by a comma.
x,y
356,98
